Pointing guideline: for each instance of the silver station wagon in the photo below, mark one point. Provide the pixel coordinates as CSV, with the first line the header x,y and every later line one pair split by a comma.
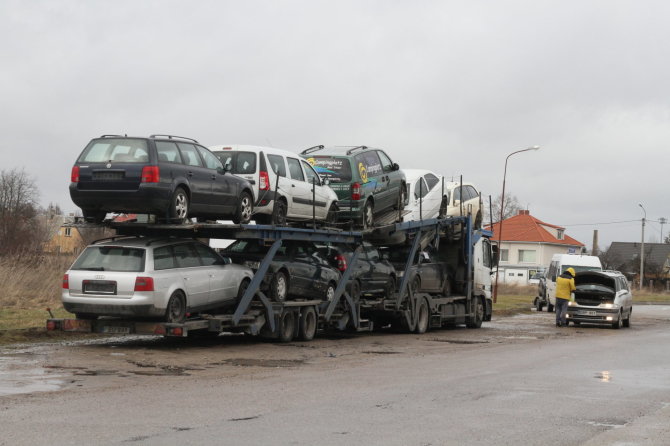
x,y
164,278
601,297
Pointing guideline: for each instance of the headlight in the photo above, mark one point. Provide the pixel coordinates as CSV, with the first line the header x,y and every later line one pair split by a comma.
x,y
252,265
571,303
610,306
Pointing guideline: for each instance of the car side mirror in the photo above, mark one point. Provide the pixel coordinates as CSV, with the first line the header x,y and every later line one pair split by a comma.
x,y
325,181
396,166
227,168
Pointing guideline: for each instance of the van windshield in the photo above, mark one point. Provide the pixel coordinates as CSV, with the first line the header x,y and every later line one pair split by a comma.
x,y
335,169
580,268
240,162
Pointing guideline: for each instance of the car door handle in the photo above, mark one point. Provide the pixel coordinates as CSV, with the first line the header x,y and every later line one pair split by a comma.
x,y
213,177
190,174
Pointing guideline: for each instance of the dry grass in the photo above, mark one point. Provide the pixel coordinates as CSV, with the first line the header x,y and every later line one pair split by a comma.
x,y
32,281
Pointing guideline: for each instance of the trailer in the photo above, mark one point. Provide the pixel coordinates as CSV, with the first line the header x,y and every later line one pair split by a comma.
x,y
466,252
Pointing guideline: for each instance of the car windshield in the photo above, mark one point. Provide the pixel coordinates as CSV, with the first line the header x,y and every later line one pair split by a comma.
x,y
240,162
110,258
335,169
110,150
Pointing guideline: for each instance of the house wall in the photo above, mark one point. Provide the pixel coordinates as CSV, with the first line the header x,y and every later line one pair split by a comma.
x,y
515,270
67,240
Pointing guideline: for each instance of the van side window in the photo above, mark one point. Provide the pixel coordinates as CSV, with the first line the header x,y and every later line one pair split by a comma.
x,y
311,175
387,164
294,169
432,180
278,165
420,189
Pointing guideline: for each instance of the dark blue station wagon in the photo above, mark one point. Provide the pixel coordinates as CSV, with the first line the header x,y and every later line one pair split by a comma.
x,y
171,177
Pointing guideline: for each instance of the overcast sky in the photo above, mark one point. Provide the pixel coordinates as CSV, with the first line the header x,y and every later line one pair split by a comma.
x,y
452,86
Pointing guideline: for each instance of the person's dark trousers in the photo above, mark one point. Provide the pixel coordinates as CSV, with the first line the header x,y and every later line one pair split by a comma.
x,y
561,310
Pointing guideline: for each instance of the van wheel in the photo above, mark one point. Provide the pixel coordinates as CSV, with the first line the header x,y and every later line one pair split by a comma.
x,y
179,205
279,214
245,207
176,308
423,317
368,215
307,325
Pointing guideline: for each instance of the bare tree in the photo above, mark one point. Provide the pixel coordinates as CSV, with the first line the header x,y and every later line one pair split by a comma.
x,y
512,207
613,261
19,222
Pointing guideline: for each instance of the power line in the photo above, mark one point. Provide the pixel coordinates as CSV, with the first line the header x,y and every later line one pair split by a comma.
x,y
602,223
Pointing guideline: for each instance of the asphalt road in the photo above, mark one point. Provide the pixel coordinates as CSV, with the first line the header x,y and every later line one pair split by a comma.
x,y
516,381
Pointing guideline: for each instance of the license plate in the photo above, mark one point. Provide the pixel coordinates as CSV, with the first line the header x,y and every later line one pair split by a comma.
x,y
107,176
116,330
587,313
99,286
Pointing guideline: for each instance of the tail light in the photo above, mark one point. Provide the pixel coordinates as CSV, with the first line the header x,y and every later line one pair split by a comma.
x,y
264,181
356,191
341,262
74,175
144,284
151,174
66,282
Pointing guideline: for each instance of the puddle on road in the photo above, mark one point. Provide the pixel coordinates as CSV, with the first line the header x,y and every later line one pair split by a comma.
x,y
21,373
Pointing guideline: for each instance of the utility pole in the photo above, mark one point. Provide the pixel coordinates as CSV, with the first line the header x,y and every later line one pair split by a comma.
x,y
644,219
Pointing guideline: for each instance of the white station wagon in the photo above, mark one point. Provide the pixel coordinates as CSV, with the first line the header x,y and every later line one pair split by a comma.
x,y
164,278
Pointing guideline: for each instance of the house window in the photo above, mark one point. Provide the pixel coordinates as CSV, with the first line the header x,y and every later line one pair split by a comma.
x,y
68,232
504,255
559,234
526,256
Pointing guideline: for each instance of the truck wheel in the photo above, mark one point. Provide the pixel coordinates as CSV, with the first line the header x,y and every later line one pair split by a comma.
x,y
279,287
368,215
423,317
475,321
286,326
245,207
179,205
176,308
307,326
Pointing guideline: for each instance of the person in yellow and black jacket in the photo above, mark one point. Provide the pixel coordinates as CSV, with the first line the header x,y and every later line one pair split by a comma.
x,y
565,285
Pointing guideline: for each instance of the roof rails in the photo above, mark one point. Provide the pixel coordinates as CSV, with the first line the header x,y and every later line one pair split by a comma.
x,y
172,137
114,136
111,239
350,151
312,149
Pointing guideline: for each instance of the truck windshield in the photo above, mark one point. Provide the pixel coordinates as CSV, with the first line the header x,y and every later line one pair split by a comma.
x,y
110,258
335,169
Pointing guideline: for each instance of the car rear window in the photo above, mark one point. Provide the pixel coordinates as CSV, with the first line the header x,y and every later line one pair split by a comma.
x,y
240,162
335,169
252,247
124,150
110,258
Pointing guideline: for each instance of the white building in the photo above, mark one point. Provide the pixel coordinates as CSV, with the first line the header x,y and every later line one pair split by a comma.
x,y
527,246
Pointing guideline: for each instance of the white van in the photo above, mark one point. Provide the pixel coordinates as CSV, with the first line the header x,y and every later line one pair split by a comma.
x,y
561,262
296,199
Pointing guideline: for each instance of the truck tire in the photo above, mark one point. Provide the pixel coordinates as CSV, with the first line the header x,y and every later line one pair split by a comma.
x,y
475,321
286,326
307,325
423,317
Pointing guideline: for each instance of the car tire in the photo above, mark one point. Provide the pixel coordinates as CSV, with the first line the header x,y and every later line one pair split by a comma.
x,y
478,220
94,216
245,207
279,213
423,317
330,291
368,219
626,322
619,322
176,308
279,287
331,216
475,321
286,326
355,291
443,208
179,205
308,324
241,290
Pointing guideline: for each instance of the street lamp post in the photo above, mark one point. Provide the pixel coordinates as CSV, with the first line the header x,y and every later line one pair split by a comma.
x,y
502,207
662,221
644,219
